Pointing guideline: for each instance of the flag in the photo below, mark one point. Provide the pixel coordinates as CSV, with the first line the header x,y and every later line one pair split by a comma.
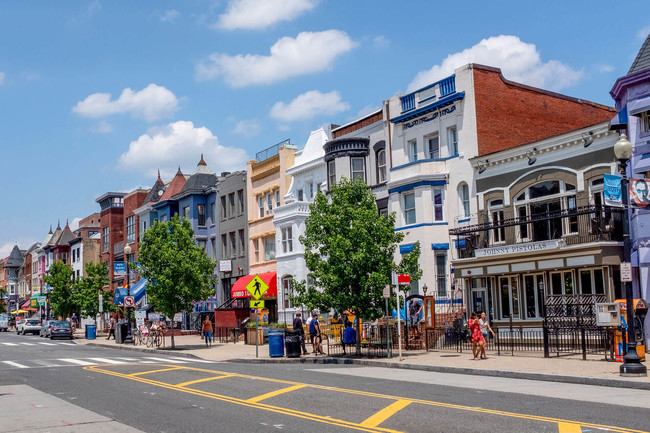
x,y
639,192
612,191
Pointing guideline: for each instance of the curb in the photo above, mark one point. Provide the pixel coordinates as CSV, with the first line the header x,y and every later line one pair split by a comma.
x,y
509,374
145,350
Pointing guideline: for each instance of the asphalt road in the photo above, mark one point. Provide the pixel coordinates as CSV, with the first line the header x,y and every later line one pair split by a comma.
x,y
170,393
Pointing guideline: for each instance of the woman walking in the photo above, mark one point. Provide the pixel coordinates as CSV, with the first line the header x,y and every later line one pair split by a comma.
x,y
207,330
478,342
485,327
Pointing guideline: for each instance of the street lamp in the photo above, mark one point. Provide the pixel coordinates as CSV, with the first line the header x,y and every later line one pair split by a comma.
x,y
424,289
129,336
632,365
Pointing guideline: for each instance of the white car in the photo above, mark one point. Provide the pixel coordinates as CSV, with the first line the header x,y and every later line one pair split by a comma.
x,y
29,326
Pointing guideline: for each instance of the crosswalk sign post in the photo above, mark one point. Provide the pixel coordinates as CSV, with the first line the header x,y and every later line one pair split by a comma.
x,y
257,287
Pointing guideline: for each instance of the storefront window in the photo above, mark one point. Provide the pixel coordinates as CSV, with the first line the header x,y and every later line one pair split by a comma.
x,y
533,296
562,283
591,282
509,294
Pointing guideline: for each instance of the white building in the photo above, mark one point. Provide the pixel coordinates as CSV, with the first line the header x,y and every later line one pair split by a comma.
x,y
308,176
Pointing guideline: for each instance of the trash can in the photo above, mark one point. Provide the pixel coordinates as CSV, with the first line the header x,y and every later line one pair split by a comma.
x,y
292,343
91,332
276,342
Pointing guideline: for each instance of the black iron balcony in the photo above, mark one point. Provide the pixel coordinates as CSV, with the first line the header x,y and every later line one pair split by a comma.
x,y
349,146
573,226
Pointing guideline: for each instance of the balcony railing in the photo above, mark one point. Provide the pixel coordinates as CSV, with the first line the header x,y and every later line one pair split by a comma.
x,y
270,151
573,226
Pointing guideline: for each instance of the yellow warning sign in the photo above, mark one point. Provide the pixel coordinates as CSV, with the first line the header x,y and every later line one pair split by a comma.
x,y
257,287
257,304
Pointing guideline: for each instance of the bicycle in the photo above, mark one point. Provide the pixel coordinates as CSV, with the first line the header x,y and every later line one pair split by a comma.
x,y
140,336
156,338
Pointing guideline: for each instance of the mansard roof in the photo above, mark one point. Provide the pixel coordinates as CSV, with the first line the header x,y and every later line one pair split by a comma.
x,y
15,259
66,236
175,186
156,191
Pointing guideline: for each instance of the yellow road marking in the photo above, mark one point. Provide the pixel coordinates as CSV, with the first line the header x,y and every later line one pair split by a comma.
x,y
155,371
274,393
385,413
327,420
567,427
205,379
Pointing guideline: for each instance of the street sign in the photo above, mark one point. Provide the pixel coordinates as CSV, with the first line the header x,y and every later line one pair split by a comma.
x,y
129,301
626,272
387,292
404,280
119,268
257,304
257,287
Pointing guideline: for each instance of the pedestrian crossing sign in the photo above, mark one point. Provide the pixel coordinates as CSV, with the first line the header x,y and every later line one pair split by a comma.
x,y
257,304
257,287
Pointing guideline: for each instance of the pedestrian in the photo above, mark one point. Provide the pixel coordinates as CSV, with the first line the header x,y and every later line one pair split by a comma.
x,y
485,328
298,326
478,343
314,332
349,335
414,313
207,331
73,321
111,328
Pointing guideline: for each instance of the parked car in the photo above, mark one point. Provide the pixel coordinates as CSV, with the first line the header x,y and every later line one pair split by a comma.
x,y
46,328
4,322
31,326
61,329
19,325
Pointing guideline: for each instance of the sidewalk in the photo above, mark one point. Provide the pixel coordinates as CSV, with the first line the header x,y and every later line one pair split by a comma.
x,y
569,370
25,409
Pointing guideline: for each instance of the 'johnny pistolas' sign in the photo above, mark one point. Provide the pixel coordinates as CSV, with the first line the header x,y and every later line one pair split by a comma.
x,y
518,248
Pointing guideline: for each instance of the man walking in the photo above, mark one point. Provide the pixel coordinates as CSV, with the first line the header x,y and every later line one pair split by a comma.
x,y
297,325
111,328
314,332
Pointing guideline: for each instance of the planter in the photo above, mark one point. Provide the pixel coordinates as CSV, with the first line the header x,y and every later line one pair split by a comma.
x,y
250,336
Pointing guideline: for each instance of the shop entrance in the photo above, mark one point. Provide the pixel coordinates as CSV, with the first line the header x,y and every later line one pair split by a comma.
x,y
478,295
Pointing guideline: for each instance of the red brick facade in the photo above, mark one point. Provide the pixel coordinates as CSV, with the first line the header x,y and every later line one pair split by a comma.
x,y
376,117
133,201
113,218
509,114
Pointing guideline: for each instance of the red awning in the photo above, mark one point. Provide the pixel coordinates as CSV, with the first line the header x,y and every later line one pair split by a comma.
x,y
238,289
25,305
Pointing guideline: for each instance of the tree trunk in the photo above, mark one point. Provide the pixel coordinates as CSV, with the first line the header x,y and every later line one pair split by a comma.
x,y
173,345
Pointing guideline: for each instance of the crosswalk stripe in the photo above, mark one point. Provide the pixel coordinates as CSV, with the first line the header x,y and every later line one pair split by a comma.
x,y
173,361
194,360
46,363
77,361
27,344
106,361
128,359
47,344
15,364
10,344
68,344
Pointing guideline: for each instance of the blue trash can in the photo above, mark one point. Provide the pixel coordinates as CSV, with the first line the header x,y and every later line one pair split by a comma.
x,y
276,342
91,332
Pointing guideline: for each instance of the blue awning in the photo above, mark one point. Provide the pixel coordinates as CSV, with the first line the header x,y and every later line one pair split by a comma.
x,y
638,106
642,164
619,121
138,290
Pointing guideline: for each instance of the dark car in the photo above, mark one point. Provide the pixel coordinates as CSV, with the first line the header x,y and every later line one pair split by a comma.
x,y
61,329
46,328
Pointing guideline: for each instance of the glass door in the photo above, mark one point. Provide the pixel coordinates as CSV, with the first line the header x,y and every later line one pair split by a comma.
x,y
533,295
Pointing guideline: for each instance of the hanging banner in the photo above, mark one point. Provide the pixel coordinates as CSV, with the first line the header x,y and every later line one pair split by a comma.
x,y
612,191
639,192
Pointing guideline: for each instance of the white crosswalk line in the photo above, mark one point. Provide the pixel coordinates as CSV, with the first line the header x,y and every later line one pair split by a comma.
x,y
128,359
10,344
194,360
47,344
106,361
27,344
68,344
44,363
173,361
77,361
15,364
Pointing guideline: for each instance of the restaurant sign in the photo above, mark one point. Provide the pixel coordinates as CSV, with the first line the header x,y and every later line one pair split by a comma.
x,y
518,248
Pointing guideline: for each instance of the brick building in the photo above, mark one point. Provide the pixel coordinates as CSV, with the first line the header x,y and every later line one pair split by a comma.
x,y
112,233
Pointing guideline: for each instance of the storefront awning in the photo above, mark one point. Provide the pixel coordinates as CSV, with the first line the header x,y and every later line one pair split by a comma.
x,y
138,290
238,289
619,121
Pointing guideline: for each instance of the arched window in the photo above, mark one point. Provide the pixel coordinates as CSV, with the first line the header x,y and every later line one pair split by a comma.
x,y
381,166
463,195
287,291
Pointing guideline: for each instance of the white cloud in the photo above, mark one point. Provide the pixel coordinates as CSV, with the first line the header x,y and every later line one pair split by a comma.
x,y
2,78
94,8
365,111
151,103
102,127
380,41
23,244
247,128
308,105
518,61
643,33
169,15
308,53
74,224
604,68
180,143
259,14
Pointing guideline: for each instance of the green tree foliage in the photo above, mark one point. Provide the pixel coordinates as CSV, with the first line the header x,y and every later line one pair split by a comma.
x,y
179,272
87,289
61,298
3,306
410,265
349,250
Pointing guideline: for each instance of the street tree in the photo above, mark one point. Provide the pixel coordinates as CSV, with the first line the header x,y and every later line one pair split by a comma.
x,y
179,272
3,307
88,288
349,250
61,298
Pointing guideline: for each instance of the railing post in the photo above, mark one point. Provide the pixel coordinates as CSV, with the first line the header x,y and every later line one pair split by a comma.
x,y
545,333
584,344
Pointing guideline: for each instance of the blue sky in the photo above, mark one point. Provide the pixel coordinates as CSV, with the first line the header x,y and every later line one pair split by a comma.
x,y
96,95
